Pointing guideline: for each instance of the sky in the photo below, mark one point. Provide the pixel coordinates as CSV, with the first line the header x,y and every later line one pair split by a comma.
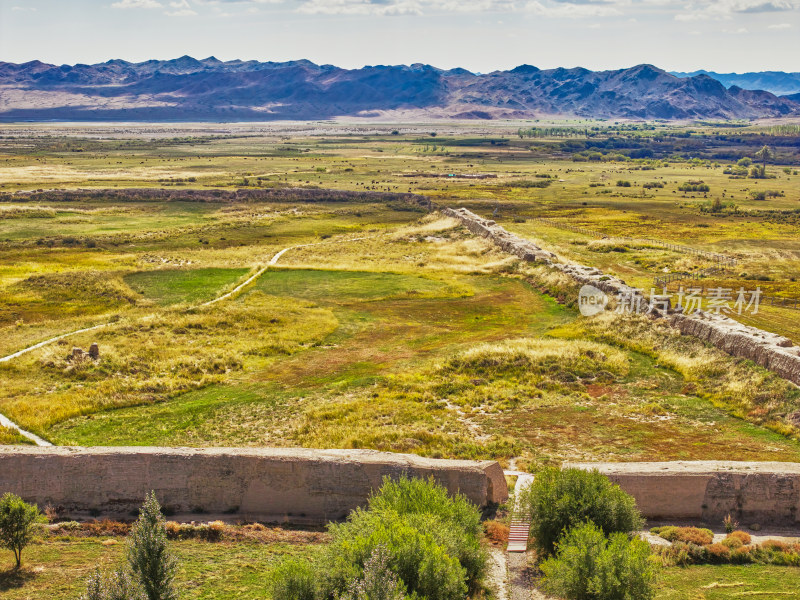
x,y
479,35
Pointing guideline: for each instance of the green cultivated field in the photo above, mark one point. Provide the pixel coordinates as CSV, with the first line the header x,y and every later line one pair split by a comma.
x,y
384,326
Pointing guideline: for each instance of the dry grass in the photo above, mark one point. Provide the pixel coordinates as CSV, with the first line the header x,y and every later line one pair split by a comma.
x,y
158,357
747,391
11,436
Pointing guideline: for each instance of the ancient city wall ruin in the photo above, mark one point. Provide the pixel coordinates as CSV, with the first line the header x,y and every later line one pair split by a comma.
x,y
274,484
766,493
771,351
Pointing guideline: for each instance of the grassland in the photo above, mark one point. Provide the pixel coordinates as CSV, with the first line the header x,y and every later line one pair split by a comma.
x,y
359,336
383,326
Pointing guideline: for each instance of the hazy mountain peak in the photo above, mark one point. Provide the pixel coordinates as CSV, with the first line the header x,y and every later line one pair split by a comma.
x,y
185,88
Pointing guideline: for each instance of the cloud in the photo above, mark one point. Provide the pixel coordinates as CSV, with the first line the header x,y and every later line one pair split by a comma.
x,y
763,7
573,10
137,4
727,9
780,26
551,8
180,8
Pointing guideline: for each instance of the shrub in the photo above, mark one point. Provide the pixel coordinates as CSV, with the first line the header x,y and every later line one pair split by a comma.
x,y
119,585
293,580
496,531
561,499
694,186
623,183
149,557
718,552
423,540
424,553
688,535
587,566
19,522
741,535
732,542
418,496
378,581
729,522
774,545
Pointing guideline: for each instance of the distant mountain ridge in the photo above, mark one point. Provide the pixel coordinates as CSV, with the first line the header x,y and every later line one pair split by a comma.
x,y
779,83
187,89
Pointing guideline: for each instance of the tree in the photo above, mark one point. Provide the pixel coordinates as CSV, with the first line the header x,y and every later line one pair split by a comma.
x,y
763,155
148,555
19,522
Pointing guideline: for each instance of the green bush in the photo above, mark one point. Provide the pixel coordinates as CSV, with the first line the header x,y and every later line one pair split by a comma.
x,y
694,186
561,499
293,580
588,566
459,518
19,522
423,553
426,542
418,496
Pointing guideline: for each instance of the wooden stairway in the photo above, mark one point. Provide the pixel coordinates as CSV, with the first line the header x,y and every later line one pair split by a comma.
x,y
520,522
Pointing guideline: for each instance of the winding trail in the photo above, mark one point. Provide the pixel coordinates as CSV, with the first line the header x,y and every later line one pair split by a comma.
x,y
50,341
273,261
6,422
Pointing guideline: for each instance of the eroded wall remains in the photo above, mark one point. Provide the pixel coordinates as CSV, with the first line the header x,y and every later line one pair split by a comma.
x,y
767,493
267,484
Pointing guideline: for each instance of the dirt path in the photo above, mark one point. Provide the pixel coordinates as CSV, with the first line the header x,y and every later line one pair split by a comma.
x,y
49,341
6,422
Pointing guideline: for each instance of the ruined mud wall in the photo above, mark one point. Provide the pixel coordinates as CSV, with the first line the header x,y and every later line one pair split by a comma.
x,y
498,235
773,352
766,493
291,485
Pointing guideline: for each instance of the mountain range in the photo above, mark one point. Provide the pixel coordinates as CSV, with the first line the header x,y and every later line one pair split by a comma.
x,y
187,89
777,82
